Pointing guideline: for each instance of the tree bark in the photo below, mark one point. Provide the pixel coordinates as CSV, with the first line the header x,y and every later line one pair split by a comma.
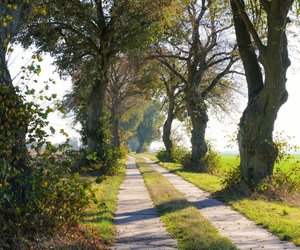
x,y
167,128
115,130
95,133
257,150
199,118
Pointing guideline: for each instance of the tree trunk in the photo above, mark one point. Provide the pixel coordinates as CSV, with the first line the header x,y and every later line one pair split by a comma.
x,y
95,133
199,118
142,144
257,150
167,128
115,131
141,147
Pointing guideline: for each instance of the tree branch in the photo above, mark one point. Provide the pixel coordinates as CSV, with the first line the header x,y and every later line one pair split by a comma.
x,y
241,7
218,78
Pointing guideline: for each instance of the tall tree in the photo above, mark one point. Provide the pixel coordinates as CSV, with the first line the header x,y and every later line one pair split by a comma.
x,y
94,32
204,55
266,87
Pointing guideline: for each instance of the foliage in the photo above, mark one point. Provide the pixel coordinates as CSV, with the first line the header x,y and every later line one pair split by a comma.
x,y
211,162
284,183
284,147
103,161
232,178
148,129
178,155
54,199
37,192
163,156
212,159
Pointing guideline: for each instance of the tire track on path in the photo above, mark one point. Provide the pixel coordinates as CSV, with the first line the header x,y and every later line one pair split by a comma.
x,y
137,221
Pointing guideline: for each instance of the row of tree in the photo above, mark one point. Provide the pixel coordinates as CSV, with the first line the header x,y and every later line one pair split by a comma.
x,y
121,53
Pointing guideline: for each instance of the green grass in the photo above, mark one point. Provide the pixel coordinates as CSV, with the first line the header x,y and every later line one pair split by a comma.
x,y
207,182
279,218
99,218
229,161
232,160
182,219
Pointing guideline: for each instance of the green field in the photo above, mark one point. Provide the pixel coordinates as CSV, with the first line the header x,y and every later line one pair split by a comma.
x,y
231,160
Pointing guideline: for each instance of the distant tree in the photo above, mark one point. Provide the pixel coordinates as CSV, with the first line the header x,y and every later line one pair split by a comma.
x,y
148,129
266,87
124,94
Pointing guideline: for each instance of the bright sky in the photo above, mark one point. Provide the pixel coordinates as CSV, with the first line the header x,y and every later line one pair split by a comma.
x,y
287,121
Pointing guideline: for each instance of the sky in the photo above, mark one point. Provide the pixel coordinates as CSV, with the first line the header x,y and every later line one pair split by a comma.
x,y
218,130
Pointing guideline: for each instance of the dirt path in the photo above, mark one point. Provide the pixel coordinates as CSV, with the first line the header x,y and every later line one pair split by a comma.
x,y
242,232
138,225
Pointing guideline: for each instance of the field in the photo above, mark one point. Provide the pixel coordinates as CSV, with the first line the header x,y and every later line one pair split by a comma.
x,y
231,160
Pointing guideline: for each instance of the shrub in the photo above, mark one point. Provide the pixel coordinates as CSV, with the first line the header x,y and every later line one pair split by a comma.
x,y
50,199
212,160
105,159
282,184
164,156
180,155
104,163
37,195
232,178
211,163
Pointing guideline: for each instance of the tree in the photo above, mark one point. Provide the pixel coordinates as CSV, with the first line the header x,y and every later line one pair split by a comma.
x,y
124,93
204,55
148,129
266,87
173,89
94,32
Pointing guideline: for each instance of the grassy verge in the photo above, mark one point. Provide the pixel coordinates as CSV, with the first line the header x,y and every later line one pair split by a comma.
x,y
279,218
96,229
99,218
207,182
182,219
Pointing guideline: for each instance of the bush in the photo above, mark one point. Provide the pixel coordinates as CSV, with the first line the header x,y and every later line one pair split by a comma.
x,y
37,195
232,178
212,160
211,163
50,199
282,184
105,163
178,155
105,159
164,156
